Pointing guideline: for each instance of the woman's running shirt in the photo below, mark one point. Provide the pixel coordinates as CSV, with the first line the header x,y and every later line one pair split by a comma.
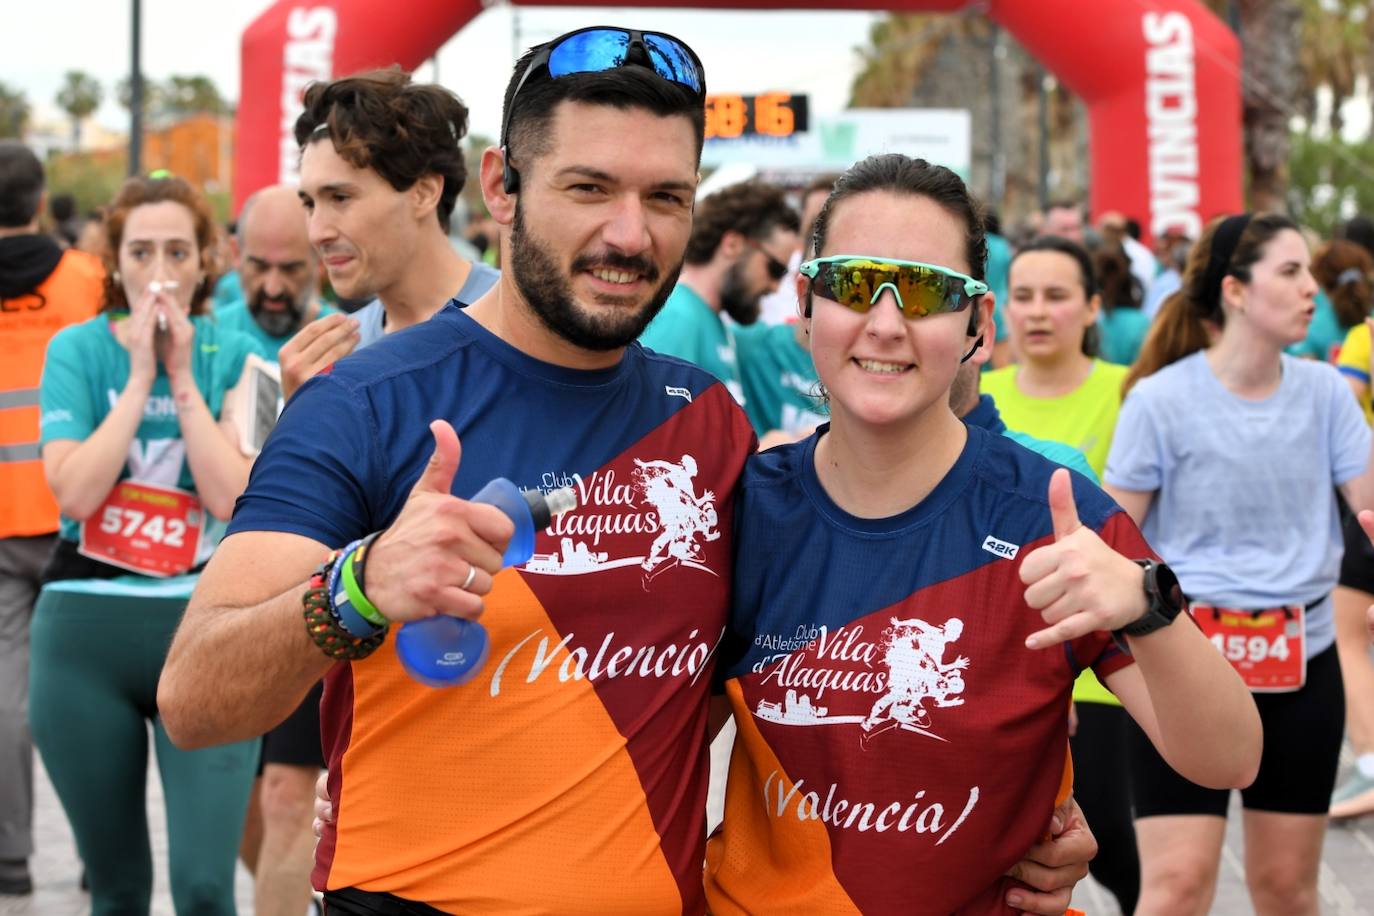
x,y
85,373
1085,418
899,747
1245,508
569,776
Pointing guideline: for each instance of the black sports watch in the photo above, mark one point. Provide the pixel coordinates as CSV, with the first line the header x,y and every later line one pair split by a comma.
x,y
1164,599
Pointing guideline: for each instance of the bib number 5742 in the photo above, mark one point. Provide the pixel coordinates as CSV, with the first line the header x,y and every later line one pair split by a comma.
x,y
130,523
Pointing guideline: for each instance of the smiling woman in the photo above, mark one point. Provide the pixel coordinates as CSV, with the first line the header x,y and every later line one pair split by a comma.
x,y
909,518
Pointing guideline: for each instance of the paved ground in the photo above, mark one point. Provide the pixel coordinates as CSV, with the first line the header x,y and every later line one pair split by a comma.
x,y
1347,880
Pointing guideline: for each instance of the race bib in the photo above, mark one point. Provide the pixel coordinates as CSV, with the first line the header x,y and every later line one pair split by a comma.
x,y
145,528
1267,648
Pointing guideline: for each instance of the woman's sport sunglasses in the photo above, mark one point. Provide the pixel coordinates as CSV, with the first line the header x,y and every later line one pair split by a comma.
x,y
856,282
601,48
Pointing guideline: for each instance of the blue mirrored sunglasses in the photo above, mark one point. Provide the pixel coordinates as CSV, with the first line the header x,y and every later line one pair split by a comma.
x,y
601,48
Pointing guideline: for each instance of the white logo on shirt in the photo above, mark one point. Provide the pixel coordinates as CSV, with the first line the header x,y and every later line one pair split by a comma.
x,y
659,502
908,672
678,393
917,678
1003,549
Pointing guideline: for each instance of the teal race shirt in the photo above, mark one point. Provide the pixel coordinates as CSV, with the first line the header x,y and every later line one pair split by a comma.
x,y
236,317
781,390
690,329
86,371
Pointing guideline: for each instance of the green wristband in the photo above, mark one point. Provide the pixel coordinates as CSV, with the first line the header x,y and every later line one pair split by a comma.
x,y
366,609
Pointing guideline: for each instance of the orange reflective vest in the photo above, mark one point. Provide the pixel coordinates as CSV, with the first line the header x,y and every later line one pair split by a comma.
x,y
71,293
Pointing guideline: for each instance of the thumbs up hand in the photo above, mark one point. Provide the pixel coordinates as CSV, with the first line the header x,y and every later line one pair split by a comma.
x,y
1079,584
439,555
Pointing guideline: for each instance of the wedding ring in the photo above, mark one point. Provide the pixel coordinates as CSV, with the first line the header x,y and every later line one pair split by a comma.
x,y
472,574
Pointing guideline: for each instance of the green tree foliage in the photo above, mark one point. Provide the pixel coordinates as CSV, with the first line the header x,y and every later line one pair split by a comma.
x,y
176,97
14,112
79,97
93,180
1329,179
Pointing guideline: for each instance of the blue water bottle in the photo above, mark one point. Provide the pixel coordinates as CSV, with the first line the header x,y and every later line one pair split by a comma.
x,y
443,651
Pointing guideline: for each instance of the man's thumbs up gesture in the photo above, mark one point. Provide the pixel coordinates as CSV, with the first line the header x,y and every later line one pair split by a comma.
x,y
1079,584
439,555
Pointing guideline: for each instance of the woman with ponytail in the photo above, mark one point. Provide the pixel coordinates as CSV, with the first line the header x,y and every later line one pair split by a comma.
x,y
1228,452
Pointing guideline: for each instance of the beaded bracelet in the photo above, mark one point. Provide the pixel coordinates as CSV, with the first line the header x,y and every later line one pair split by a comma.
x,y
322,624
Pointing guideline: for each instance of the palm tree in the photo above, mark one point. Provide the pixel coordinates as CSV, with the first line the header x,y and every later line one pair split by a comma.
x,y
79,96
14,112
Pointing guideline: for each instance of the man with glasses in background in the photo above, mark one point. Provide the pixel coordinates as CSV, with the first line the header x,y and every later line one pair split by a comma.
x,y
569,774
743,237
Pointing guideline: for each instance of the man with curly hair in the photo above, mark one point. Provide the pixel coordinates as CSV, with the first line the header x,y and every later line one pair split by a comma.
x,y
381,169
742,239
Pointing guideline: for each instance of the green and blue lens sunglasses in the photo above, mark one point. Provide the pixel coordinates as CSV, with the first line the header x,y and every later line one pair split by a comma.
x,y
857,281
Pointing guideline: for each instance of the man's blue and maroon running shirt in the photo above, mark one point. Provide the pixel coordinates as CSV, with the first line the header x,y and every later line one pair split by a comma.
x,y
899,747
570,775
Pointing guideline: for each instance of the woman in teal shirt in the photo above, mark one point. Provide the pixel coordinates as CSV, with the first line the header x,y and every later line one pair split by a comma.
x,y
141,453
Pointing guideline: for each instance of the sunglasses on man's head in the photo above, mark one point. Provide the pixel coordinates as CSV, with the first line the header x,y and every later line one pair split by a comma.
x,y
776,269
601,48
857,281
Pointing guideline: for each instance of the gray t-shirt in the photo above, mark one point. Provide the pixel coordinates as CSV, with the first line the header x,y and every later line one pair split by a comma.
x,y
1245,508
481,278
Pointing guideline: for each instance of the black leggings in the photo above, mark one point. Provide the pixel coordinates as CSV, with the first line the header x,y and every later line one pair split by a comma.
x,y
1101,784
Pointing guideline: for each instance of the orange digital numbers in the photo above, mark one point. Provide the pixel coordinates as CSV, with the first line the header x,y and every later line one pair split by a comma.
x,y
726,116
773,114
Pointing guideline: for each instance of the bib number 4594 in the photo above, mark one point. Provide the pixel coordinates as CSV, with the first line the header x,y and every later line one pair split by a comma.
x,y
1266,647
1240,648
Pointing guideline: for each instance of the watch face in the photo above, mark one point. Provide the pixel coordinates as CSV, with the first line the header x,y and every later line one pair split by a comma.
x,y
1170,592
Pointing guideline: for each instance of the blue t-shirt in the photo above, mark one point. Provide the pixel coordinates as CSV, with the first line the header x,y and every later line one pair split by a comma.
x,y
85,373
1245,508
370,317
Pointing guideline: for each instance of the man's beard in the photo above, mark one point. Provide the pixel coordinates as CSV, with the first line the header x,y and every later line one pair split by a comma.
x,y
549,292
735,300
277,322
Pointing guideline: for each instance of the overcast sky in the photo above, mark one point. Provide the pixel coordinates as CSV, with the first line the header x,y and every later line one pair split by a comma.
x,y
743,51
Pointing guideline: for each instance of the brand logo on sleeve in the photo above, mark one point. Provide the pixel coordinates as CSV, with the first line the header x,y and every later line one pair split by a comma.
x,y
1001,548
674,392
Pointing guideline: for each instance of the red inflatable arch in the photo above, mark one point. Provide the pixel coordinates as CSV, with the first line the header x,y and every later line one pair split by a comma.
x,y
1160,79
